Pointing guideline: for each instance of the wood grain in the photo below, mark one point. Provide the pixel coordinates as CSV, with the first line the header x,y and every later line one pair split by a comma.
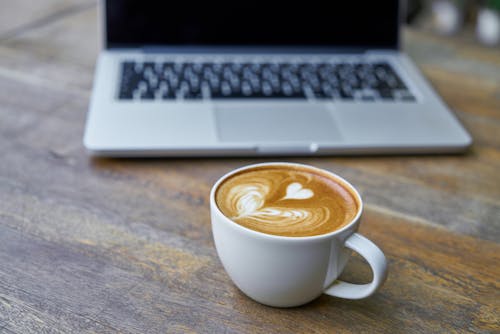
x,y
18,16
107,245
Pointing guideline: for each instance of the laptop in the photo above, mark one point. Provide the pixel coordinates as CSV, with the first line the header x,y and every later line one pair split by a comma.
x,y
239,78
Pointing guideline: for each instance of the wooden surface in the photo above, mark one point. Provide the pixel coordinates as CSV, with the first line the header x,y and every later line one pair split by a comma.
x,y
102,245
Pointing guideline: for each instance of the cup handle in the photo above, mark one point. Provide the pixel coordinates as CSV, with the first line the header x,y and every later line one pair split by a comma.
x,y
377,261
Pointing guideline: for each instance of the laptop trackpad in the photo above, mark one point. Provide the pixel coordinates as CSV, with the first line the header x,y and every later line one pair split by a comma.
x,y
275,123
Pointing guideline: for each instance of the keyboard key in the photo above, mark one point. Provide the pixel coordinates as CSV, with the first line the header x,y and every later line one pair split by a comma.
x,y
165,91
386,94
267,90
404,95
125,95
346,93
148,95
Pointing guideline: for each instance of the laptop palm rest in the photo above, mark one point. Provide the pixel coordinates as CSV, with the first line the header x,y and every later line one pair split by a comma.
x,y
254,122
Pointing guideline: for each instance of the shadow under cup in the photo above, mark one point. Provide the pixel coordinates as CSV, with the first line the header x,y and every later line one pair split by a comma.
x,y
284,271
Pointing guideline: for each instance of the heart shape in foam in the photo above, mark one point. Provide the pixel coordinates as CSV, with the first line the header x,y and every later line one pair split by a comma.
x,y
296,191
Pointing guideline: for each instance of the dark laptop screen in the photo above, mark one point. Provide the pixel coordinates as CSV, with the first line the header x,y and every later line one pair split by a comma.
x,y
132,23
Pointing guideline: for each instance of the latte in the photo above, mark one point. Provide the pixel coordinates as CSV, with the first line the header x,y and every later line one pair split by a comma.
x,y
294,201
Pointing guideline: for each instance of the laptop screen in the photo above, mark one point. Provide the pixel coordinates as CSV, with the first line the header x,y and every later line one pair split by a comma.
x,y
344,24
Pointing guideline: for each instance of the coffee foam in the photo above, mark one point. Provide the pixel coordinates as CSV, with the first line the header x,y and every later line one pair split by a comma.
x,y
287,201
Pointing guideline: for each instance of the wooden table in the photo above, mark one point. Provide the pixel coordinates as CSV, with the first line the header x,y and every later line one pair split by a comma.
x,y
102,245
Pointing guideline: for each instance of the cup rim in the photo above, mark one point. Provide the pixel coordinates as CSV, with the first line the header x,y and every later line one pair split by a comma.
x,y
346,183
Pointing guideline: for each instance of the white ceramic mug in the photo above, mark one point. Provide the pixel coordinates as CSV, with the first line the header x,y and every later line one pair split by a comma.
x,y
290,271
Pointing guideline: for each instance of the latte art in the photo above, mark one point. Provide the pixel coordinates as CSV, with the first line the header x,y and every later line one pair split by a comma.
x,y
249,202
285,201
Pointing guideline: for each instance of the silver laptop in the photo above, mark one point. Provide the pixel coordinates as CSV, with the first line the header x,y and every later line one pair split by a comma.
x,y
227,78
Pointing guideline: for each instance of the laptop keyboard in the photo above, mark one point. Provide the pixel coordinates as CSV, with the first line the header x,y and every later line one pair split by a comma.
x,y
360,81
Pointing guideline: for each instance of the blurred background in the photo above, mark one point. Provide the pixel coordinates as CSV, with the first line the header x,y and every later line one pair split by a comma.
x,y
469,19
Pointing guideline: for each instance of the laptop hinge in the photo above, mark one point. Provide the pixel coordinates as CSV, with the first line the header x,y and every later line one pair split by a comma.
x,y
251,50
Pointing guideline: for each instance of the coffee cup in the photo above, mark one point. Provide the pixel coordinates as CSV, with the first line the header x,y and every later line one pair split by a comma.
x,y
284,233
